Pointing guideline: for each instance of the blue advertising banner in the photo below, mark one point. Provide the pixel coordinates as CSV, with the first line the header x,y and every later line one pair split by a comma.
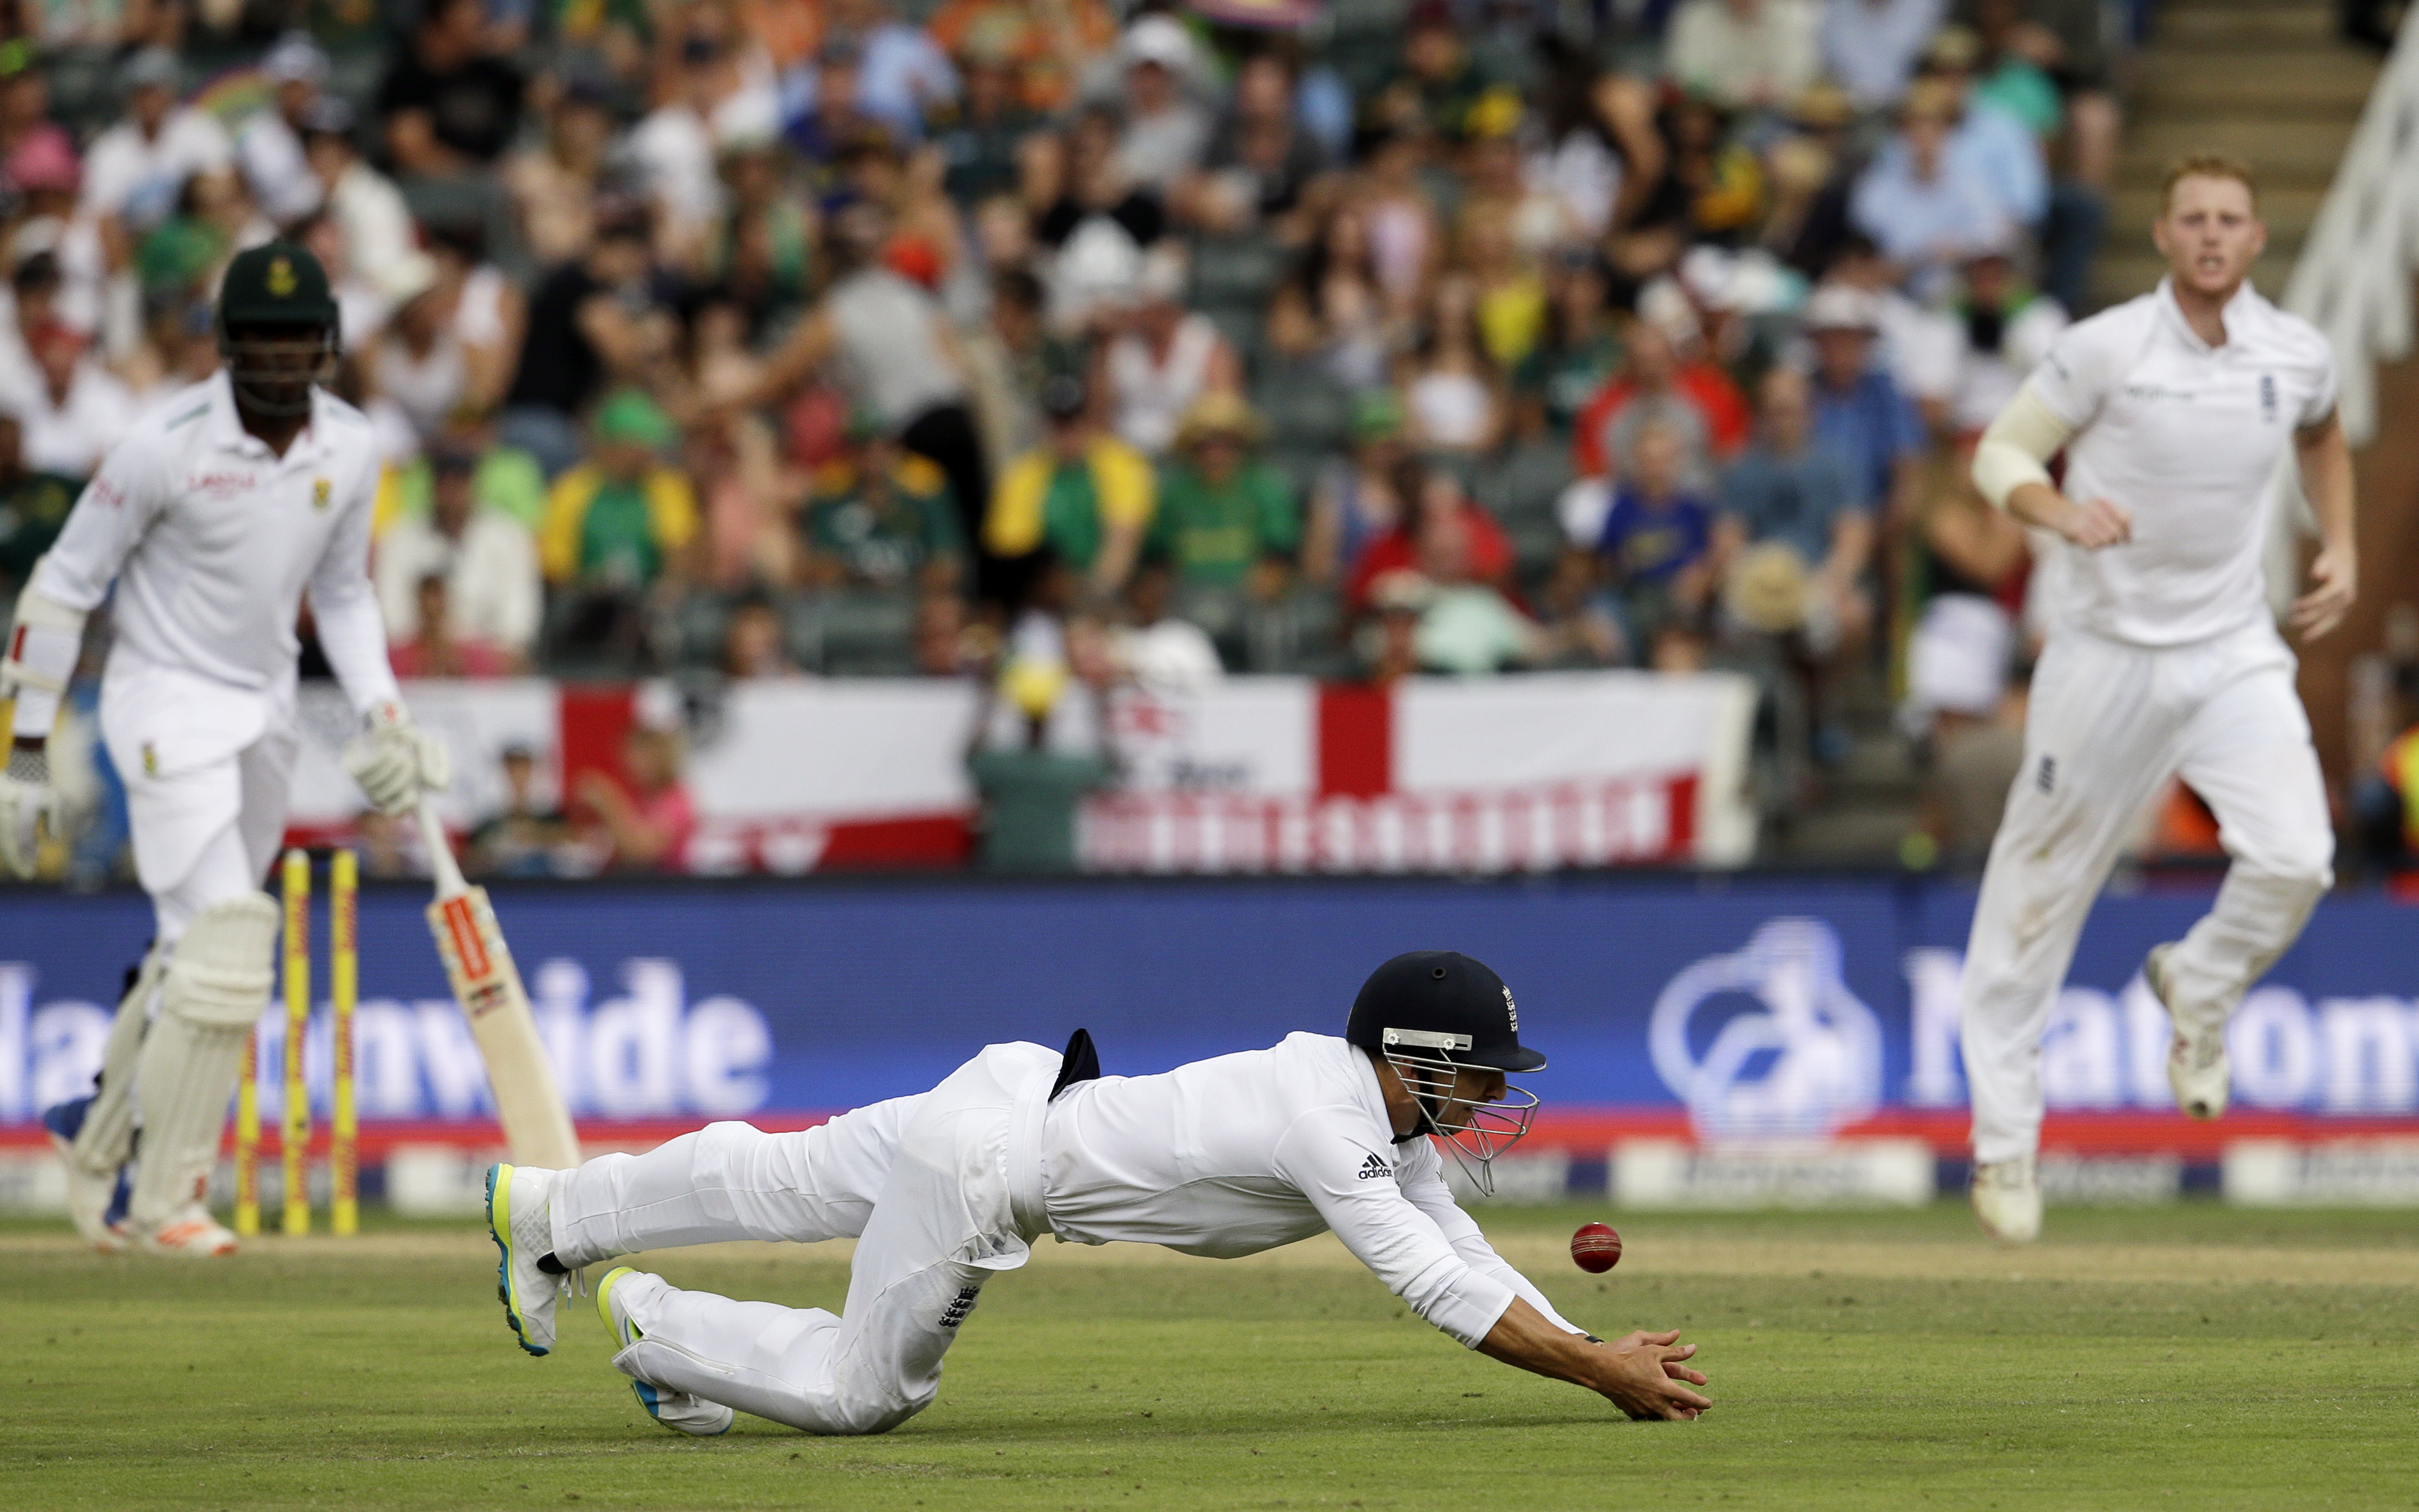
x,y
1756,1007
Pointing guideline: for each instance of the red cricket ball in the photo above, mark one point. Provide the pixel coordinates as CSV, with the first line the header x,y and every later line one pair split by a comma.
x,y
1595,1249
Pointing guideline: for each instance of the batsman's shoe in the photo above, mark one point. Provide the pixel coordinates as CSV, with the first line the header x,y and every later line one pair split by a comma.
x,y
96,1202
673,1409
189,1233
2007,1200
2197,1066
517,1221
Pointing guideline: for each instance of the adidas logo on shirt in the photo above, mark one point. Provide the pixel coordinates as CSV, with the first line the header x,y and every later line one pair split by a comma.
x,y
1376,1170
958,1309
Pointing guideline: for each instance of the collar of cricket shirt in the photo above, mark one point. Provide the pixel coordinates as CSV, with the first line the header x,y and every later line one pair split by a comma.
x,y
227,432
2238,316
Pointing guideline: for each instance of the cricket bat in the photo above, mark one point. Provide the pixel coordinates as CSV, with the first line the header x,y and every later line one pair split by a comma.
x,y
537,1126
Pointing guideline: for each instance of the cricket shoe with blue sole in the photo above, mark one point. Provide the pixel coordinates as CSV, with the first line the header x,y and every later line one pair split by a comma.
x,y
517,1220
680,1410
95,1202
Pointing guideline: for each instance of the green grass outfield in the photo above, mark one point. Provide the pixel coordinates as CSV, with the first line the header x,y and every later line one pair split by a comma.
x,y
2189,1357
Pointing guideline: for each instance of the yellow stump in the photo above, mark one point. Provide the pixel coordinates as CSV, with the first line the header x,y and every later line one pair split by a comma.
x,y
295,1138
343,987
247,1139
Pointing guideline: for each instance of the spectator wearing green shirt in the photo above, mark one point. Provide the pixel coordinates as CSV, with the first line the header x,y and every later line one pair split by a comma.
x,y
32,507
879,517
1225,519
619,528
1030,792
1082,496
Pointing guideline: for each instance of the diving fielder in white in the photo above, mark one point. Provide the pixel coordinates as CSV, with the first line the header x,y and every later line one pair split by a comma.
x,y
2173,410
1223,1157
212,516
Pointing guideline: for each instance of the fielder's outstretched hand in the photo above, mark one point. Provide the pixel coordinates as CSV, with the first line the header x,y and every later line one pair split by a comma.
x,y
2334,584
1643,1375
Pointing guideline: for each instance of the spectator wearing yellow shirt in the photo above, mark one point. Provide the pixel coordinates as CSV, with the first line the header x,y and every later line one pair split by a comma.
x,y
1083,495
619,527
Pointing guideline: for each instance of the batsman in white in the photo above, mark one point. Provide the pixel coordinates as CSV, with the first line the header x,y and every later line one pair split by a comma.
x,y
2174,410
212,516
1223,1158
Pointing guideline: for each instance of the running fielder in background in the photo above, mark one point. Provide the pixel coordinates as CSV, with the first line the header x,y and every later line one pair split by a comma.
x,y
2163,660
212,516
1223,1158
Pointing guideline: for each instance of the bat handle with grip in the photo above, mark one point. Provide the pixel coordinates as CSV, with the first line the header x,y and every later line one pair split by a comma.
x,y
440,855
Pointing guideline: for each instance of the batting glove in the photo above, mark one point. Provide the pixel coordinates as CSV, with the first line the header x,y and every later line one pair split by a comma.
x,y
25,797
395,760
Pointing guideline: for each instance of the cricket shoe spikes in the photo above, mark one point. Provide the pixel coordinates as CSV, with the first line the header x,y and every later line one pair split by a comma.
x,y
519,1222
679,1410
190,1233
2197,1066
2007,1200
96,1201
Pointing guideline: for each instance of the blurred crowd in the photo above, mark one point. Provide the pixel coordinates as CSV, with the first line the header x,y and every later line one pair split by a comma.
x,y
1354,338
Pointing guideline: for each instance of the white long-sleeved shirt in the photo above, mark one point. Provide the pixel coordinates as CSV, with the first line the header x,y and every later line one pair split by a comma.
x,y
212,542
1244,1153
2183,437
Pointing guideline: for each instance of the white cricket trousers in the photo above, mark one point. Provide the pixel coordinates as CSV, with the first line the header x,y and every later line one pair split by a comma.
x,y
940,1190
206,834
2108,724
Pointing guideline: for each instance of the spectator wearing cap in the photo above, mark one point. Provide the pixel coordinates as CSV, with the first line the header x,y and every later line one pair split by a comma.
x,y
1871,46
1156,650
1166,130
1926,207
1355,503
624,520
1029,791
592,322
134,171
485,558
76,412
1165,358
524,836
1082,496
268,143
449,105
1225,520
879,517
2002,150
382,243
2007,328
1742,54
1858,411
983,147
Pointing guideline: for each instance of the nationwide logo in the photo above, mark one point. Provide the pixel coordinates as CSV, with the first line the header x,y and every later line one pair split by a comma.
x,y
1376,1170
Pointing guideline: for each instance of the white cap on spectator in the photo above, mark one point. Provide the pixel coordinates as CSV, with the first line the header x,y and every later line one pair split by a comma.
x,y
1839,307
405,279
1098,266
1160,39
295,59
1664,305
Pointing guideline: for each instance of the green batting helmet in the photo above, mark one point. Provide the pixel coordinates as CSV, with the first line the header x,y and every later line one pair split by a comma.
x,y
278,327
